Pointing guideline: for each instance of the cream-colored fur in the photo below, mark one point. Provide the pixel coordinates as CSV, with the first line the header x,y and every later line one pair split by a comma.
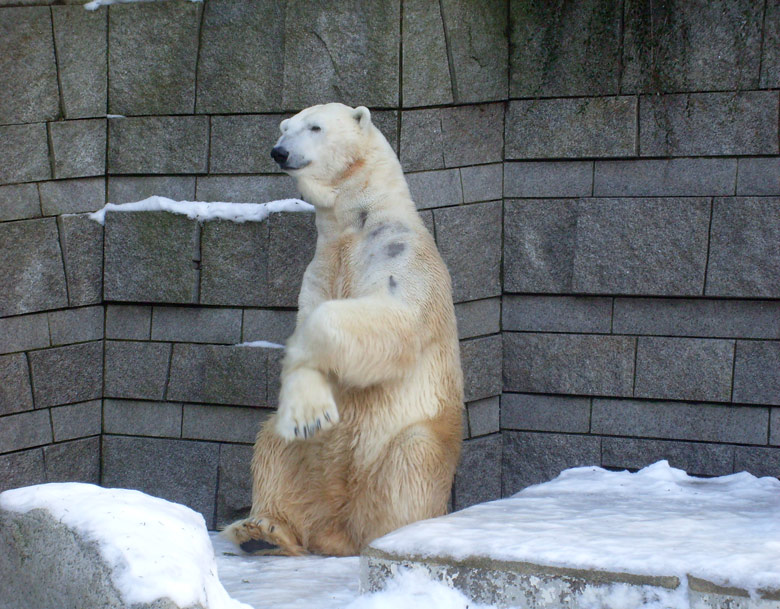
x,y
367,435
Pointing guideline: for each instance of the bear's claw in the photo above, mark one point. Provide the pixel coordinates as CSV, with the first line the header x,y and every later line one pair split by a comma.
x,y
306,405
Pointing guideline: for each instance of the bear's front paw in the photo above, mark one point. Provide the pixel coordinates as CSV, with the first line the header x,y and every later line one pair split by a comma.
x,y
306,405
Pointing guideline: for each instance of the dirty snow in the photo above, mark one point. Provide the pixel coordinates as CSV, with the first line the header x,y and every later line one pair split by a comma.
x,y
658,521
204,211
96,4
156,548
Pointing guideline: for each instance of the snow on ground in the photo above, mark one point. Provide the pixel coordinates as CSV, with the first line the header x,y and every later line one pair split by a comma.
x,y
203,211
96,4
155,548
658,521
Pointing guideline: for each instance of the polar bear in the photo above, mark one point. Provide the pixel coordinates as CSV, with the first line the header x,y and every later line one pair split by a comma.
x,y
367,434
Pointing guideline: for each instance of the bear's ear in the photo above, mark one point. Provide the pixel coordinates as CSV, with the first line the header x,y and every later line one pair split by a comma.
x,y
362,115
283,125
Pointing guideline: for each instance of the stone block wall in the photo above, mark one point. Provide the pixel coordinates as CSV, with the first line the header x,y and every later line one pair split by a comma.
x,y
602,179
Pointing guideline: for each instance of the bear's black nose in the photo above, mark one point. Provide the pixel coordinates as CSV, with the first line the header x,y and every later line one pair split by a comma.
x,y
279,154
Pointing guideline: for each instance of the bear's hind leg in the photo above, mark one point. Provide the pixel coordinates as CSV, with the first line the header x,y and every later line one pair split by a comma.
x,y
263,536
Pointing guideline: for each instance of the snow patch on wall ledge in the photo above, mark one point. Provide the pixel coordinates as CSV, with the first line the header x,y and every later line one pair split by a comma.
x,y
96,4
205,211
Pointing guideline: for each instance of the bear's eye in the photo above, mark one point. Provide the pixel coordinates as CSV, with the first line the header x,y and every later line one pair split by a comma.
x,y
315,128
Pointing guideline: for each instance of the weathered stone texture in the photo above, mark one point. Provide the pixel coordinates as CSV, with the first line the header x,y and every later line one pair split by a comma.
x,y
176,470
697,459
757,372
346,51
234,263
770,60
759,176
127,189
242,144
80,37
699,317
222,423
482,182
559,413
72,196
478,478
570,128
680,421
154,51
744,255
757,460
569,364
684,368
24,333
475,229
548,179
478,317
129,321
78,148
82,243
77,420
243,77
15,392
435,188
531,458
19,201
483,416
136,418
292,238
27,68
23,468
25,153
426,71
245,189
234,494
557,314
218,375
64,375
149,257
564,49
25,430
774,426
476,34
636,246
136,369
481,377
706,124
33,277
158,144
196,325
76,461
76,325
272,326
665,177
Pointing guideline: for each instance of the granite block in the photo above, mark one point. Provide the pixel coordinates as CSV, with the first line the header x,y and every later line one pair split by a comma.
x,y
19,201
78,148
245,189
475,229
127,189
242,143
76,325
24,430
77,461
136,418
482,182
15,392
774,426
759,176
483,416
680,421
481,142
571,128
33,277
556,314
695,458
292,238
426,70
176,470
478,317
548,179
770,57
562,49
272,326
63,375
531,412
478,477
758,461
149,257
196,325
569,363
158,145
77,420
72,196
82,60
246,77
757,372
234,493
25,153
532,458
28,73
24,333
684,368
153,55
435,188
218,375
422,140
744,257
82,244
481,375
136,369
222,423
132,322
23,468
709,124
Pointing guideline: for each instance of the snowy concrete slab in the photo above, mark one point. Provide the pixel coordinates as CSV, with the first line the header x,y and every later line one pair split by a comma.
x,y
593,538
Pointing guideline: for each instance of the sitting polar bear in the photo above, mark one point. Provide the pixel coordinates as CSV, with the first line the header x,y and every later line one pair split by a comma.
x,y
367,434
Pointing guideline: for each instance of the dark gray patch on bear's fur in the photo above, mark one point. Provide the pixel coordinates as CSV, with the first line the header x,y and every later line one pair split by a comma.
x,y
395,248
392,283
